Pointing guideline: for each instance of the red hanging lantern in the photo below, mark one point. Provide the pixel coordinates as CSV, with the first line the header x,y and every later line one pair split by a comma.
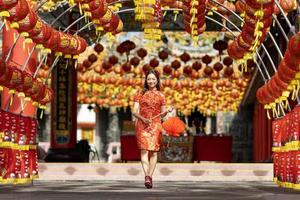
x,y
285,73
220,46
126,67
19,11
113,60
53,41
28,22
187,70
163,55
206,59
185,57
48,96
167,70
228,71
98,48
196,66
291,60
218,66
81,45
227,61
142,53
7,4
154,62
175,64
208,71
44,35
112,24
99,11
135,61
92,58
146,68
106,65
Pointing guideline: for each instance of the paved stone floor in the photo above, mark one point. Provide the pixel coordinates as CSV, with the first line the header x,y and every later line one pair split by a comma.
x,y
107,190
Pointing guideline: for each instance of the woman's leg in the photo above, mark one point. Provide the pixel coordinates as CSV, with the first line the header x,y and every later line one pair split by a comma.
x,y
145,161
153,161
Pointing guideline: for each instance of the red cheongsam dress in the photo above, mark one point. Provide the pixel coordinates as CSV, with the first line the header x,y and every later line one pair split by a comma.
x,y
149,135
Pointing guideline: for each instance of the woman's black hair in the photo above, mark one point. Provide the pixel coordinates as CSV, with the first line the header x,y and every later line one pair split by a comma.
x,y
156,74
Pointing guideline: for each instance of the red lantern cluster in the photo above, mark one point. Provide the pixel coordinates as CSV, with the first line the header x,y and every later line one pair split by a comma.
x,y
286,153
150,14
26,21
23,83
18,148
101,16
194,16
284,81
258,19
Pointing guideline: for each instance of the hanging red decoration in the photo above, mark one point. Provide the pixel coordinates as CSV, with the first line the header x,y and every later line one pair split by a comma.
x,y
98,48
113,60
175,64
154,62
92,58
19,11
218,66
196,66
135,61
106,65
208,70
163,55
185,57
220,46
228,71
142,53
206,59
167,70
227,61
187,70
126,67
146,68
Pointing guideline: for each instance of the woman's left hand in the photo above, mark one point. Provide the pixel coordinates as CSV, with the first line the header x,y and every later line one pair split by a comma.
x,y
170,109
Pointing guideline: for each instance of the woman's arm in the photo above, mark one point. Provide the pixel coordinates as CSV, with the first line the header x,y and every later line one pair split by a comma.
x,y
165,111
135,113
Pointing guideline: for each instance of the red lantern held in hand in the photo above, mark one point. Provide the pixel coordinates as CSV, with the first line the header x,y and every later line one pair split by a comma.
x,y
174,126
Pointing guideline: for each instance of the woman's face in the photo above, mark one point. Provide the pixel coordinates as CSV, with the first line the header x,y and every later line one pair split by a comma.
x,y
151,80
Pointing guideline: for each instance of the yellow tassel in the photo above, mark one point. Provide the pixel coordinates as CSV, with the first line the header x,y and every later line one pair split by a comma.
x,y
4,14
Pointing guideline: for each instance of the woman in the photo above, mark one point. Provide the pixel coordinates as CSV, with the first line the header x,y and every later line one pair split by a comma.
x,y
149,108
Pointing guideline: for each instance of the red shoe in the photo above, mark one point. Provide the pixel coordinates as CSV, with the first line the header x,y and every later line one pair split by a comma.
x,y
148,182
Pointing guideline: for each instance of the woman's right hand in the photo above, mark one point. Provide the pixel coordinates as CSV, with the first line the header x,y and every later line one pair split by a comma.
x,y
146,121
